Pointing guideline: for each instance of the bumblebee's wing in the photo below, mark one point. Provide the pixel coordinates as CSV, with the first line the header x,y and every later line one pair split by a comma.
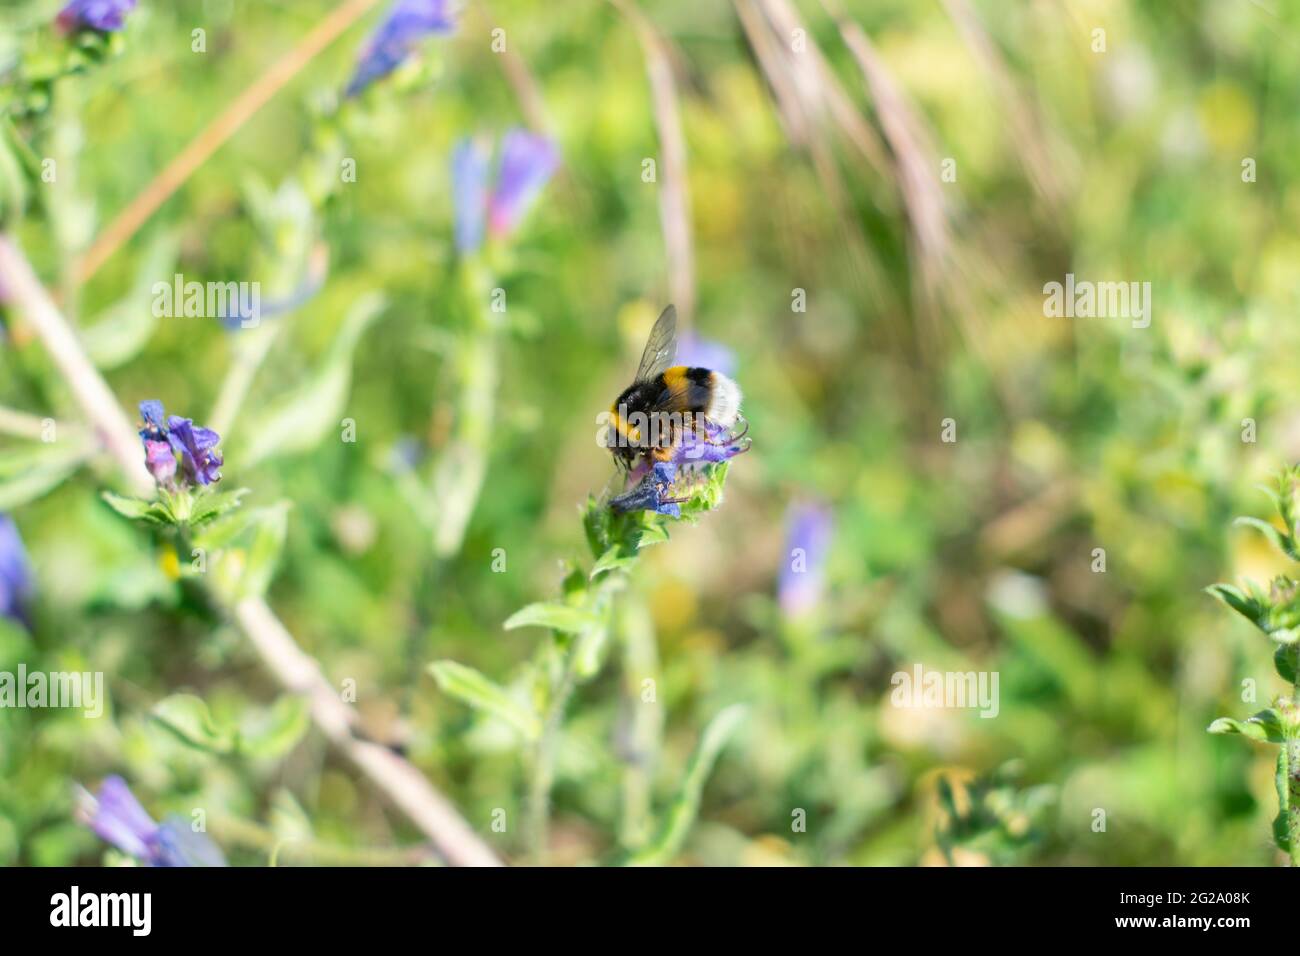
x,y
661,348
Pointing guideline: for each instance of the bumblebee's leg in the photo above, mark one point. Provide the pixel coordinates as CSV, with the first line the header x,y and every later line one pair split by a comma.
x,y
731,438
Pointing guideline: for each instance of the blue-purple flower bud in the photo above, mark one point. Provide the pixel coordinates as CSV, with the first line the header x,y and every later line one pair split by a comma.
x,y
198,449
408,22
118,818
163,437
528,160
469,177
106,16
15,573
809,527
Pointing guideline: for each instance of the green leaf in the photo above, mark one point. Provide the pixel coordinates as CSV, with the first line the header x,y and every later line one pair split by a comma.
x,y
209,506
138,509
299,421
1266,727
1284,660
275,731
655,532
188,719
612,560
558,617
46,473
13,177
681,814
223,532
287,819
1249,607
471,687
251,540
124,328
1280,540
269,528
589,651
1282,822
707,495
595,525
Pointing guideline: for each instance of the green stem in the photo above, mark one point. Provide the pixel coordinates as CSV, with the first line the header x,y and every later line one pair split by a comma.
x,y
1291,756
461,469
250,350
559,691
243,833
1289,778
543,775
644,724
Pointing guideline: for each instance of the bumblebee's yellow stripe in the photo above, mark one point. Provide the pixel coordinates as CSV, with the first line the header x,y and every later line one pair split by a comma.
x,y
621,426
675,380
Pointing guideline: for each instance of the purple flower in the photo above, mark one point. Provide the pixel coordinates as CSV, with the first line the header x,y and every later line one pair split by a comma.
x,y
160,459
809,527
712,443
652,493
198,448
15,573
196,445
117,817
155,419
469,175
106,16
407,23
705,353
528,161
662,485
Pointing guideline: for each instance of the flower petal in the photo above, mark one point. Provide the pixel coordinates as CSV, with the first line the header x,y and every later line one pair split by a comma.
x,y
710,443
809,527
197,446
469,174
408,21
119,818
175,843
160,459
649,493
528,161
106,16
15,573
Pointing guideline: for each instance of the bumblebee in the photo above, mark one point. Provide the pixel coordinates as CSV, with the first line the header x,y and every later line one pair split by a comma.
x,y
663,400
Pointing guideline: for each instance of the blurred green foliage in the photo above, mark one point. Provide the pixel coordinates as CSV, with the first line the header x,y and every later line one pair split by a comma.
x,y
1071,434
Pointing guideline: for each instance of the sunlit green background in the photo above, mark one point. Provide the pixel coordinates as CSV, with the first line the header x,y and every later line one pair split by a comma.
x,y
924,303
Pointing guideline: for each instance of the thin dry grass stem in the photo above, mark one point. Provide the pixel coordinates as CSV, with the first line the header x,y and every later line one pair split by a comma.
x,y
216,133
1044,166
525,86
97,402
770,59
822,91
917,173
914,153
674,189
310,852
792,112
400,781
22,425
294,670
812,104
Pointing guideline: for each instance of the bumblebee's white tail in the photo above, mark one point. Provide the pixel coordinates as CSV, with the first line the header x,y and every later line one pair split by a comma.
x,y
724,403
